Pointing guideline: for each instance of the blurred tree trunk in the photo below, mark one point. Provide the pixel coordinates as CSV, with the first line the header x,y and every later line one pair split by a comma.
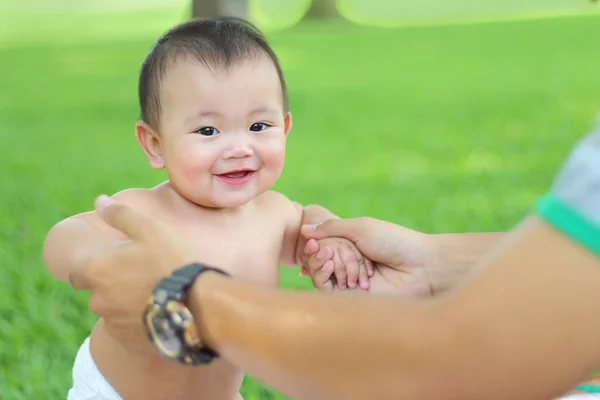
x,y
220,8
323,9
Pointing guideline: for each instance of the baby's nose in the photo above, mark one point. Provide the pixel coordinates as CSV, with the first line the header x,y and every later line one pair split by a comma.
x,y
238,150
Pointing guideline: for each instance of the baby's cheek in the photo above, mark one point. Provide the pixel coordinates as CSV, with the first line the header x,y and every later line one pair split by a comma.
x,y
189,168
195,159
273,155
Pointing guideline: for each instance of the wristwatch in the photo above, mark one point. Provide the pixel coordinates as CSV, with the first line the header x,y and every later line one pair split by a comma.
x,y
169,323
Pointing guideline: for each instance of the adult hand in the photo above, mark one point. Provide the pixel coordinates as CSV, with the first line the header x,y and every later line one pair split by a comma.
x,y
121,278
400,255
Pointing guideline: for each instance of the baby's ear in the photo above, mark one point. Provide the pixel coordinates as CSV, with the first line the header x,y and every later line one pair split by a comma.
x,y
287,123
150,143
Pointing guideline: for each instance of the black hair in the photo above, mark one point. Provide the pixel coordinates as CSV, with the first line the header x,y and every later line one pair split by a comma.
x,y
215,42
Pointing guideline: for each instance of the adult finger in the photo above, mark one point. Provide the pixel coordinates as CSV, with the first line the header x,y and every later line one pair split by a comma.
x,y
125,219
350,229
91,269
78,278
95,305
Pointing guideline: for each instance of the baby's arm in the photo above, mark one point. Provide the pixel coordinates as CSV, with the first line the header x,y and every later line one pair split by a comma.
x,y
292,252
340,258
72,241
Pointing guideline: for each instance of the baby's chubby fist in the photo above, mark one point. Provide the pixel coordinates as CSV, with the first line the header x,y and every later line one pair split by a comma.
x,y
337,262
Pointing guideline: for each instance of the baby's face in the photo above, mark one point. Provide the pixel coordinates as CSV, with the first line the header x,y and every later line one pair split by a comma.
x,y
223,133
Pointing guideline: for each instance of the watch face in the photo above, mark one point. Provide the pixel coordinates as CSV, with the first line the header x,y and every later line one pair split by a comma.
x,y
164,333
170,326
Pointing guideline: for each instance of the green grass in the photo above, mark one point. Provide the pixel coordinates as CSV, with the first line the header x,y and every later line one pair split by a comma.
x,y
448,128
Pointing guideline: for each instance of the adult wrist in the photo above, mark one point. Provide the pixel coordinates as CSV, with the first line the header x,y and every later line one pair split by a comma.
x,y
443,261
204,300
454,255
170,323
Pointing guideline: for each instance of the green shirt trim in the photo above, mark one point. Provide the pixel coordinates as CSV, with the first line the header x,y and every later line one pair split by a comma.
x,y
570,222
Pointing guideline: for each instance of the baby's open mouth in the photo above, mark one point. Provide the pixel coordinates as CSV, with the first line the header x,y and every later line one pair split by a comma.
x,y
237,174
236,178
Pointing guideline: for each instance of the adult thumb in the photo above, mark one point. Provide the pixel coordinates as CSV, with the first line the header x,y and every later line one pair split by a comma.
x,y
346,228
123,217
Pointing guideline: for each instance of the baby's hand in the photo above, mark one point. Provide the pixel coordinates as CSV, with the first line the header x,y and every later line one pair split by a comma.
x,y
340,261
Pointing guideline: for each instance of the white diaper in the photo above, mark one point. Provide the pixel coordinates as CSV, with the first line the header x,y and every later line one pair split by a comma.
x,y
88,382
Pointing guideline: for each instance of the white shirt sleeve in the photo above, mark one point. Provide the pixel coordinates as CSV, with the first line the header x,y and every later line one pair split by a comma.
x,y
578,183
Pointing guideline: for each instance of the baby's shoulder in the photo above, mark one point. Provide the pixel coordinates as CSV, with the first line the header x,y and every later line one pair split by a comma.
x,y
274,202
279,208
144,200
136,196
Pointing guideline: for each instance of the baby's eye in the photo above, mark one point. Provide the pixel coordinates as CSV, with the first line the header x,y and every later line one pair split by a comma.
x,y
259,126
208,131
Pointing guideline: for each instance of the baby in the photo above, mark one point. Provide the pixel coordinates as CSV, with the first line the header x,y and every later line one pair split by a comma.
x,y
214,114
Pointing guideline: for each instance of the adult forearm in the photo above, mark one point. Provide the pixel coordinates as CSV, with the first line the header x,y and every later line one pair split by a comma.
x,y
504,335
321,346
524,322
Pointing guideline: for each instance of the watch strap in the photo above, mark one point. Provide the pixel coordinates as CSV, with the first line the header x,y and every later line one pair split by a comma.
x,y
177,285
175,288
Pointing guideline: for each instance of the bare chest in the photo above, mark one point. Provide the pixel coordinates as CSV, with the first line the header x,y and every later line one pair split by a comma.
x,y
248,248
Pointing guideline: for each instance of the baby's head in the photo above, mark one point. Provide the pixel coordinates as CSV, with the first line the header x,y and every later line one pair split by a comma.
x,y
214,111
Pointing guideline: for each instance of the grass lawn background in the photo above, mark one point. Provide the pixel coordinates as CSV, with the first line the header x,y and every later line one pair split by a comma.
x,y
439,128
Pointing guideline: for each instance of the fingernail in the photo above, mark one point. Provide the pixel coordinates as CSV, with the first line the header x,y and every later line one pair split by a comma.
x,y
352,284
309,228
103,201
